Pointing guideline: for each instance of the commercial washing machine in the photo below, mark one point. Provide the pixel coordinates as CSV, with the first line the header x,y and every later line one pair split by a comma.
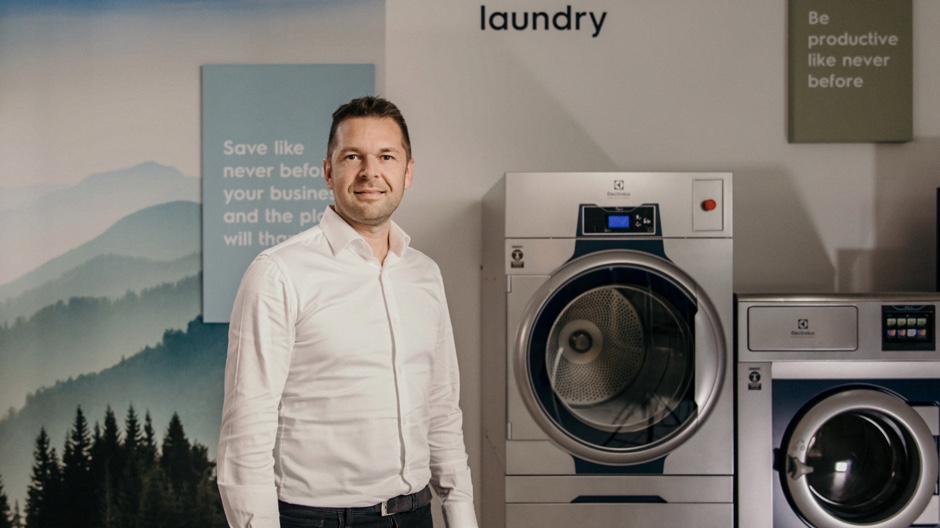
x,y
607,364
837,410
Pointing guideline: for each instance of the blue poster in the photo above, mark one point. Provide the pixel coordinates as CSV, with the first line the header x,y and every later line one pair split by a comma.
x,y
264,135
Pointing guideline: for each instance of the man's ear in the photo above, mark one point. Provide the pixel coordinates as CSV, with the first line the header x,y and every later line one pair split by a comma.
x,y
409,172
328,173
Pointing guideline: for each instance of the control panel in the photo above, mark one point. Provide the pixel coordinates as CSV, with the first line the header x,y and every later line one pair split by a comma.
x,y
639,220
908,327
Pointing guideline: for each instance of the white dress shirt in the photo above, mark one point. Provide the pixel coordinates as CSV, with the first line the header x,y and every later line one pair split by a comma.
x,y
341,383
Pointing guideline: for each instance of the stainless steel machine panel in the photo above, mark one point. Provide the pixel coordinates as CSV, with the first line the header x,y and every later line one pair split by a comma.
x,y
607,310
838,410
809,328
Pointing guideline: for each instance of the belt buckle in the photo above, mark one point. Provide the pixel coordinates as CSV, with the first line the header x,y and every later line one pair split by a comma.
x,y
385,509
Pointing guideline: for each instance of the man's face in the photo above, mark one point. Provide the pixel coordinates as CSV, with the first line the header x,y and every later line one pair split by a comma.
x,y
368,170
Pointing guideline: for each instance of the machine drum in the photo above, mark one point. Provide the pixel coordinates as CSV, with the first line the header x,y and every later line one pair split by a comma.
x,y
595,349
619,358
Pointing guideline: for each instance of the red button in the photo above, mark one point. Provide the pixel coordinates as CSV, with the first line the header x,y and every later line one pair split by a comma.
x,y
709,205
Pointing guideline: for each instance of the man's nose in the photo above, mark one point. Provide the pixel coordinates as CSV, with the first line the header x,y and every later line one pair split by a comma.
x,y
369,167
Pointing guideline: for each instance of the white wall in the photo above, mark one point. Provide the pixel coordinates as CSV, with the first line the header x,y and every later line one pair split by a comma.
x,y
667,85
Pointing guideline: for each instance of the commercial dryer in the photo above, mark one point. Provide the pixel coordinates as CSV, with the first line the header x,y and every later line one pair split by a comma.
x,y
607,367
838,411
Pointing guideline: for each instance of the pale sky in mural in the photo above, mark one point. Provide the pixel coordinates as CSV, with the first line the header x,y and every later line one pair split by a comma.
x,y
84,94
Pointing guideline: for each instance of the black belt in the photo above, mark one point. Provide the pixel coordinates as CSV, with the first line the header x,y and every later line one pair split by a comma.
x,y
403,503
399,504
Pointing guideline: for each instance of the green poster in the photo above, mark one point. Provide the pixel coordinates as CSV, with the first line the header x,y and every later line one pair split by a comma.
x,y
850,71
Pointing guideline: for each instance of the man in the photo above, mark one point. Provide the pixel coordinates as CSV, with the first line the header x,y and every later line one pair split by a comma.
x,y
341,384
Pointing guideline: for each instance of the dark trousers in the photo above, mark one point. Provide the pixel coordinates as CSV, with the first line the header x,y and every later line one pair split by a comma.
x,y
293,516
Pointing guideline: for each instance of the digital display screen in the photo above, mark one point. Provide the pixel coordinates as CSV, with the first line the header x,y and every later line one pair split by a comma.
x,y
908,327
618,222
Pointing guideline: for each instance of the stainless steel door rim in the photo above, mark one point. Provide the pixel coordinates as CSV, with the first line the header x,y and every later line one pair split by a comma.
x,y
885,411
708,350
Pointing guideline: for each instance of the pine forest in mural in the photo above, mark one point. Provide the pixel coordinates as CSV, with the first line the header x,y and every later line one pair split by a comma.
x,y
112,384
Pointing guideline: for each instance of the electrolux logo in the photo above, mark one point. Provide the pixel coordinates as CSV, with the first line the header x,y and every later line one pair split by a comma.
x,y
619,190
802,329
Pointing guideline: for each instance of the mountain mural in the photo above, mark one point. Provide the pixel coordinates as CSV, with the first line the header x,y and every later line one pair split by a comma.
x,y
96,281
181,374
85,310
61,220
157,244
87,334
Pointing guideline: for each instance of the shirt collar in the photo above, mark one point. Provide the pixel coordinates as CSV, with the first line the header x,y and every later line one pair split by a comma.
x,y
340,234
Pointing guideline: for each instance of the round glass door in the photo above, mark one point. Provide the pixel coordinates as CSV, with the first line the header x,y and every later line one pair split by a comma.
x,y
610,359
859,457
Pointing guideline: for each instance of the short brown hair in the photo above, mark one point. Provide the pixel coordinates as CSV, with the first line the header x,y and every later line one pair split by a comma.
x,y
369,106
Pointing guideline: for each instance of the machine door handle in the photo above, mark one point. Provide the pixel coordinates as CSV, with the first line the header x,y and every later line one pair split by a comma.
x,y
796,468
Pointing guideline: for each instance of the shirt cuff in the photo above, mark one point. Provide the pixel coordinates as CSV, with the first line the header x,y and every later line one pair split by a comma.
x,y
459,515
250,507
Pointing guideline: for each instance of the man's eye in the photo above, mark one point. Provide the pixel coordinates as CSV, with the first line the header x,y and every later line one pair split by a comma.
x,y
388,157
